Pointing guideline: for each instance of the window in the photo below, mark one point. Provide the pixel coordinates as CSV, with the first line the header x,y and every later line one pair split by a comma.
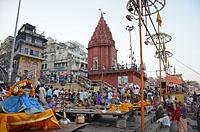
x,y
28,38
38,41
42,66
36,53
95,65
52,57
45,66
77,64
31,52
25,50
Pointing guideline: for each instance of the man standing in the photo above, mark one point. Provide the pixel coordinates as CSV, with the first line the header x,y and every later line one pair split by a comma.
x,y
42,94
110,95
50,91
198,118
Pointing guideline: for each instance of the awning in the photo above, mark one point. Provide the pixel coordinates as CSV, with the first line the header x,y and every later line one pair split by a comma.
x,y
175,79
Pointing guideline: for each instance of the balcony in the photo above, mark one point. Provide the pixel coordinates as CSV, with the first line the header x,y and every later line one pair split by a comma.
x,y
34,34
28,55
39,45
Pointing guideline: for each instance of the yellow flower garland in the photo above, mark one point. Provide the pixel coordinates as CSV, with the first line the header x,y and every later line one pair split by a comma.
x,y
18,89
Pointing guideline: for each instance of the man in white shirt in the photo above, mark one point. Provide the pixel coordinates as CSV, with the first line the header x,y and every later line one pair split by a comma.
x,y
81,95
42,94
110,95
56,92
136,91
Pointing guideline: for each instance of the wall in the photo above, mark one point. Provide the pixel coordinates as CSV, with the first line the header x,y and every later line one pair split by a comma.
x,y
27,63
31,48
112,78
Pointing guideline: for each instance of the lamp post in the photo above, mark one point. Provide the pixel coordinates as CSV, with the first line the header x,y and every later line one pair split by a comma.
x,y
129,29
13,45
130,18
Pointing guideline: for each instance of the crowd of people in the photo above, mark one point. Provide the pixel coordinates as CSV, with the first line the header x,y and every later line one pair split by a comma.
x,y
169,111
175,112
86,97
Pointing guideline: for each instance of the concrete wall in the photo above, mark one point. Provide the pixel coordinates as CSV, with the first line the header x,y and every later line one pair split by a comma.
x,y
112,78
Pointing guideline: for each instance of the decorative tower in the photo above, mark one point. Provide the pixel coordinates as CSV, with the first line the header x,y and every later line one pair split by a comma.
x,y
102,54
102,60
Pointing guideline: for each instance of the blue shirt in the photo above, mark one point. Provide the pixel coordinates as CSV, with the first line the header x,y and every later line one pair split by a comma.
x,y
50,92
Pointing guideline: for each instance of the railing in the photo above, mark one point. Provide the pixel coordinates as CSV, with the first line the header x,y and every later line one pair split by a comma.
x,y
92,83
119,68
28,55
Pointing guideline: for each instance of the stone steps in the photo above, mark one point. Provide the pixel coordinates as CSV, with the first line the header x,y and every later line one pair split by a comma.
x,y
135,126
154,127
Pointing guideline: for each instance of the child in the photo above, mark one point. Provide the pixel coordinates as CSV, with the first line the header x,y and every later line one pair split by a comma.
x,y
49,103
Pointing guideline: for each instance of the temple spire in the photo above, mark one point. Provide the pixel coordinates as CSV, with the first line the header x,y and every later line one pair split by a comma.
x,y
102,34
102,13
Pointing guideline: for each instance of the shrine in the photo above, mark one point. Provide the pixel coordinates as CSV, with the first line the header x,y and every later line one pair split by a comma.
x,y
102,59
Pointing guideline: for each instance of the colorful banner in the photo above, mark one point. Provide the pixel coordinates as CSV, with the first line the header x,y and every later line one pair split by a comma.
x,y
122,81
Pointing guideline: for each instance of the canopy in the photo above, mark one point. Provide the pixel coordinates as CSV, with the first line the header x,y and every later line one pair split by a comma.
x,y
175,79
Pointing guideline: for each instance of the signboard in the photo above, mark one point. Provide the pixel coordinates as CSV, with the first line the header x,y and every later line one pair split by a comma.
x,y
122,81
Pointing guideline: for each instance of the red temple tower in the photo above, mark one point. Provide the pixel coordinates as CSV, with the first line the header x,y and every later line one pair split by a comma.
x,y
102,54
102,59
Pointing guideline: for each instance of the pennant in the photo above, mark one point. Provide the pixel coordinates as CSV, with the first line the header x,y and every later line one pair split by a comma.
x,y
158,19
168,64
174,70
164,53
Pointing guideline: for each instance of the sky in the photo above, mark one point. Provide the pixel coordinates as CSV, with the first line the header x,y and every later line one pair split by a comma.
x,y
75,20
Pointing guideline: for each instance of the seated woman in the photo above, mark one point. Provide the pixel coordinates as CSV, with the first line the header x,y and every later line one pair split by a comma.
x,y
20,97
49,103
159,112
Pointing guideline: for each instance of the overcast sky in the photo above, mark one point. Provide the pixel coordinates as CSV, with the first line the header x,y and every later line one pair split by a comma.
x,y
76,20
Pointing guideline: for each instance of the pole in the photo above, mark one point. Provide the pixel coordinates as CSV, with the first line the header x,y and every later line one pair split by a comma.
x,y
131,47
141,69
166,73
160,64
13,46
132,60
132,65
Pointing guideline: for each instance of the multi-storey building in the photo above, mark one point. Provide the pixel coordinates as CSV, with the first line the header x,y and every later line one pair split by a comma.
x,y
5,54
28,55
63,59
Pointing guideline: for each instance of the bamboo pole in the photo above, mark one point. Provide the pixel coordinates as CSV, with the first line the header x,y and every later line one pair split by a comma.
x,y
141,69
160,65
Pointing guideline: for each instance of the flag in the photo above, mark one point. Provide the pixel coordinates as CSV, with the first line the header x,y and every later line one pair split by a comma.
x,y
174,70
168,64
164,53
158,19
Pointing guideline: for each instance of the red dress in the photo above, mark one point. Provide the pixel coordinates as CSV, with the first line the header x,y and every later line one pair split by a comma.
x,y
176,114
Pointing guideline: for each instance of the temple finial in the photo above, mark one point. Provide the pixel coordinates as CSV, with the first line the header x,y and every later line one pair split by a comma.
x,y
102,13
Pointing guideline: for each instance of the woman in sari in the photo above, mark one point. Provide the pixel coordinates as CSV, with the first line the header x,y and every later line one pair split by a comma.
x,y
183,119
176,114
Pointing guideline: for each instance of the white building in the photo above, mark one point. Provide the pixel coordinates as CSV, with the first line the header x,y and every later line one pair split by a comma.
x,y
63,59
